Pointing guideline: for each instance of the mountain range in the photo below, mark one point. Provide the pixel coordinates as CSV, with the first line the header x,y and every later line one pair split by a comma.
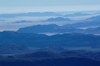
x,y
57,19
40,40
51,28
52,50
95,18
93,30
92,21
36,14
76,14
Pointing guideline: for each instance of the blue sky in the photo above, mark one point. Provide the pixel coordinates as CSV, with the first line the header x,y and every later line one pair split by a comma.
x,y
17,6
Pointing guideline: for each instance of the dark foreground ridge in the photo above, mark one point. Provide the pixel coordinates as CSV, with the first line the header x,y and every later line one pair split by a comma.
x,y
70,61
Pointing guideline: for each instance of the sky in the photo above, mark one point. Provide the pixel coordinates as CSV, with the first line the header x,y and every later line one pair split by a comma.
x,y
20,6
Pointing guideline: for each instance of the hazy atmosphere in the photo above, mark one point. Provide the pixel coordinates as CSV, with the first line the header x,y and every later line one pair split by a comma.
x,y
20,6
49,32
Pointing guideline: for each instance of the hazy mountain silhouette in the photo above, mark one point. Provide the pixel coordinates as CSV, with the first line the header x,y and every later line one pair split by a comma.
x,y
57,19
30,14
22,21
95,18
51,28
93,30
76,14
93,21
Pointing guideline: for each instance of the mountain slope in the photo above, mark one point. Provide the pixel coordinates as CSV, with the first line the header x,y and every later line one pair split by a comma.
x,y
12,49
51,28
39,40
93,21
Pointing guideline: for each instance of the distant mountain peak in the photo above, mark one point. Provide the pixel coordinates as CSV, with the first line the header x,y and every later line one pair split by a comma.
x,y
23,21
57,19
